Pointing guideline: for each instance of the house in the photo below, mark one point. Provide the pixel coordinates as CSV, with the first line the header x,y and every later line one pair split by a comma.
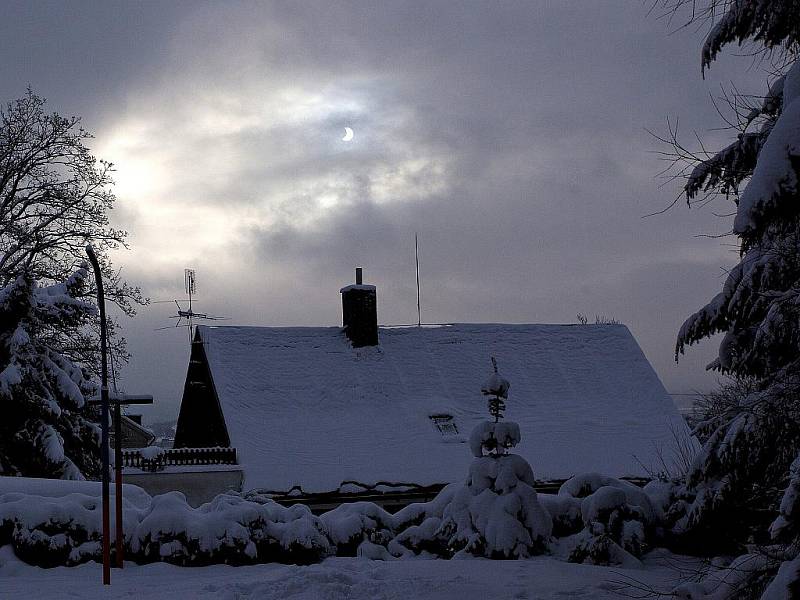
x,y
326,409
134,434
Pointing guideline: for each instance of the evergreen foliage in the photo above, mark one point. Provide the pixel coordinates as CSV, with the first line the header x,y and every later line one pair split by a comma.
x,y
751,440
44,431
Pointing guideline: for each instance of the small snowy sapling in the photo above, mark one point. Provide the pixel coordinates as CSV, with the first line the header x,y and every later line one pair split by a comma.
x,y
496,513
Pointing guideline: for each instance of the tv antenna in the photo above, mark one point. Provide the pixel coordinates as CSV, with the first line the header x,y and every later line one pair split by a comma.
x,y
187,316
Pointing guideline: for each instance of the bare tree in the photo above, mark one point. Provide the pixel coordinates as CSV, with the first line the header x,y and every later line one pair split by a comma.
x,y
55,197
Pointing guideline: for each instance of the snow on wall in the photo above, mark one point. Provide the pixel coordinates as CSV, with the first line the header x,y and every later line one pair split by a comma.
x,y
304,408
59,488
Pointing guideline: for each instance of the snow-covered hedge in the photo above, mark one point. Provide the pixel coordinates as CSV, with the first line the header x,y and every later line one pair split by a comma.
x,y
227,530
51,531
495,514
66,530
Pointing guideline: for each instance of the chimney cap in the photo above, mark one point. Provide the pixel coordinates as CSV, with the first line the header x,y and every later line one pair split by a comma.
x,y
355,286
358,285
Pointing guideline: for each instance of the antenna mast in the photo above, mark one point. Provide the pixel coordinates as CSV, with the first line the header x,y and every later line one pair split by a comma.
x,y
190,285
189,282
416,260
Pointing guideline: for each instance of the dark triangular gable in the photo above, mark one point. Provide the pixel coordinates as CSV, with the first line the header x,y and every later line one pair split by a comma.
x,y
201,423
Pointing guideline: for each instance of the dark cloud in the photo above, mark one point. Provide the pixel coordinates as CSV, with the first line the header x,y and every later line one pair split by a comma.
x,y
510,136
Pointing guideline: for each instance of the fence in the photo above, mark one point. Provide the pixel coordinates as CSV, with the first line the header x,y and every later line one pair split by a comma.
x,y
179,457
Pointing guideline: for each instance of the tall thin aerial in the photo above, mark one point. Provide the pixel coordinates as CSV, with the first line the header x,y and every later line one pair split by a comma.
x,y
190,286
416,260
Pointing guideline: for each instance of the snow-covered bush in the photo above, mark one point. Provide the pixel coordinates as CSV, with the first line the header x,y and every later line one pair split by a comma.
x,y
565,512
361,528
44,431
497,513
771,572
738,477
230,530
67,530
350,525
617,517
744,577
49,532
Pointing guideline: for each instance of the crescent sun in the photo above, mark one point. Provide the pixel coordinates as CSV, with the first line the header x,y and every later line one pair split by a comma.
x,y
348,134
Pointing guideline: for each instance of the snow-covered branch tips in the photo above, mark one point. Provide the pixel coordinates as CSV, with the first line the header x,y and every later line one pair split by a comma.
x,y
496,387
494,438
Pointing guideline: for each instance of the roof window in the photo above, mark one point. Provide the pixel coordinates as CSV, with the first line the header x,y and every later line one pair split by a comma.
x,y
445,424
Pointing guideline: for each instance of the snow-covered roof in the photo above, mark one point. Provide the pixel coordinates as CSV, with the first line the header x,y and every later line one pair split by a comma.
x,y
304,408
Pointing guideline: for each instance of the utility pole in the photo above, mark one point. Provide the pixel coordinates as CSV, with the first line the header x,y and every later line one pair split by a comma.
x,y
119,401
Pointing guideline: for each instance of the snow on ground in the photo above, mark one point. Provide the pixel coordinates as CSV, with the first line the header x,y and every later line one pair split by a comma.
x,y
538,578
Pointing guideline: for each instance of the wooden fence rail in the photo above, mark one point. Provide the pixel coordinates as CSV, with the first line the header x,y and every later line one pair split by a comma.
x,y
179,457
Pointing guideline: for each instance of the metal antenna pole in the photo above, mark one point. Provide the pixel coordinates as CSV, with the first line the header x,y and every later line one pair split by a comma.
x,y
416,259
189,276
103,413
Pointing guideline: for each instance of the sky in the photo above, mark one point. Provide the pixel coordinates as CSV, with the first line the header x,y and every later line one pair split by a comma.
x,y
512,137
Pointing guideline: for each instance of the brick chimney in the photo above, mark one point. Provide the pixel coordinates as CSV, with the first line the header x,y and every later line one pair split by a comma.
x,y
360,312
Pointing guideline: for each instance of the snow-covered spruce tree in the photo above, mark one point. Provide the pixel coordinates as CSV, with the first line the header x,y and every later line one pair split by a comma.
x,y
44,429
745,463
496,513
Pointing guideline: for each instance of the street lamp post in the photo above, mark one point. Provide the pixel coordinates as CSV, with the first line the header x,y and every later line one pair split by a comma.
x,y
101,302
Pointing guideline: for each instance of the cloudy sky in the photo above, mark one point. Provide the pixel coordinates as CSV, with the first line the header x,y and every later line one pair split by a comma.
x,y
511,136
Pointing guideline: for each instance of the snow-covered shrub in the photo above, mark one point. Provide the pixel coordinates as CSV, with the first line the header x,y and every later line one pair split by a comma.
x,y
745,577
230,530
419,528
739,474
565,512
44,431
616,515
49,532
771,572
350,525
497,513
67,530
784,586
